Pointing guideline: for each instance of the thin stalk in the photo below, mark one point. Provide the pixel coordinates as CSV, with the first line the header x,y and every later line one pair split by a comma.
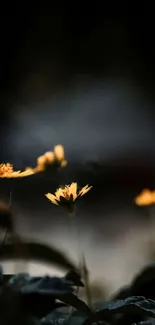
x,y
7,230
4,239
17,243
83,268
86,282
73,228
10,199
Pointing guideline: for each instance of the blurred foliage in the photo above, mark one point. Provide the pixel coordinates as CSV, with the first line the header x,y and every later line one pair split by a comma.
x,y
47,300
19,249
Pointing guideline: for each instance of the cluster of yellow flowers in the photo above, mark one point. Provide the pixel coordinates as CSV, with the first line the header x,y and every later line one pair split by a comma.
x,y
69,193
7,171
56,157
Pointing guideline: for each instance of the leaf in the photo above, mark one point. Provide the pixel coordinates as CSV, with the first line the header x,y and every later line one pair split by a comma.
x,y
63,295
26,284
36,252
71,300
55,318
132,305
62,317
75,278
11,311
101,305
38,294
150,321
144,283
45,289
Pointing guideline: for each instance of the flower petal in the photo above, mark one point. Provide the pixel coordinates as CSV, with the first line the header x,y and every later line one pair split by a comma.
x,y
41,160
49,157
59,152
84,190
73,190
59,192
52,198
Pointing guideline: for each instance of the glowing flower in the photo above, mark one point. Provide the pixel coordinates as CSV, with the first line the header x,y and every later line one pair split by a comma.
x,y
7,171
41,161
146,197
60,155
49,157
56,158
44,160
67,195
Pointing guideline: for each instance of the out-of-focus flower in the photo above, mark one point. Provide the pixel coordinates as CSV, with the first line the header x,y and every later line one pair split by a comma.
x,y
49,157
60,155
55,158
146,197
7,171
68,194
44,160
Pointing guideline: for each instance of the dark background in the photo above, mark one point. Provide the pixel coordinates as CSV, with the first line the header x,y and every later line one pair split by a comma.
x,y
79,75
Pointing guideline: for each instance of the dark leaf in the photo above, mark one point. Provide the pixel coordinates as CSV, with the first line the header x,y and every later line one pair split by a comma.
x,y
101,305
38,294
71,300
132,305
43,291
55,318
26,284
11,311
36,252
150,321
144,283
62,317
75,278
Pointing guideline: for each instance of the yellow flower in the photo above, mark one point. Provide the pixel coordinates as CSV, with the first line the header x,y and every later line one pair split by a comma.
x,y
49,157
41,160
68,194
146,197
56,158
60,155
7,171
